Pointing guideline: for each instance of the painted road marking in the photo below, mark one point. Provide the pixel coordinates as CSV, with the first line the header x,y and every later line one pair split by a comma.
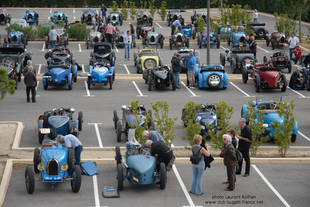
x,y
96,192
43,47
39,69
80,49
83,68
266,51
87,90
97,133
158,25
126,68
50,11
137,88
73,11
304,136
224,48
188,197
116,48
271,186
189,90
239,89
301,95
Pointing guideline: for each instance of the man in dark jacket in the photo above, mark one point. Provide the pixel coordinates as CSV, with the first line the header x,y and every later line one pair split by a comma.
x,y
245,140
31,83
176,68
230,161
253,45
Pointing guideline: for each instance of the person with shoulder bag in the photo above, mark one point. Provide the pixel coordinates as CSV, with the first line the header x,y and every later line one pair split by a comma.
x,y
198,165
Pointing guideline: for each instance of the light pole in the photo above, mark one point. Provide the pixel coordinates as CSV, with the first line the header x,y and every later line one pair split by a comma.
x,y
208,32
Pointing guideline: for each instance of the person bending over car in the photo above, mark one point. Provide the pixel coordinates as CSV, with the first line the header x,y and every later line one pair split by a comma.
x,y
72,142
153,136
109,31
297,81
163,151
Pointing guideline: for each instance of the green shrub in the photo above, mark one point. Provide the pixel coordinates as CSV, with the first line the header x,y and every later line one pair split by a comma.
x,y
285,24
6,85
124,10
163,10
201,24
152,7
133,10
42,32
114,6
29,32
78,31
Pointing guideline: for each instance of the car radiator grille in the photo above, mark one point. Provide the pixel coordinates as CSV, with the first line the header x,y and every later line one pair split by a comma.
x,y
53,167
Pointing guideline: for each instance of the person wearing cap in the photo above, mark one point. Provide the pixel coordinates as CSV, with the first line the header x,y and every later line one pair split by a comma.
x,y
72,142
153,136
230,161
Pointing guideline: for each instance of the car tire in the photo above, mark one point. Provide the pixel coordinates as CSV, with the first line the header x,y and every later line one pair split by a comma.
x,y
170,44
110,83
222,59
163,176
289,67
118,156
119,131
214,76
257,84
36,159
245,75
76,179
29,179
150,81
293,138
80,119
115,118
284,82
120,177
173,82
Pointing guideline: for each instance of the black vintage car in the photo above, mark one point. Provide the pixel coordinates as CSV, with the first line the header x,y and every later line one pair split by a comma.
x,y
15,58
276,40
173,15
154,39
159,78
62,38
178,40
115,18
279,60
102,51
5,17
144,18
90,17
259,30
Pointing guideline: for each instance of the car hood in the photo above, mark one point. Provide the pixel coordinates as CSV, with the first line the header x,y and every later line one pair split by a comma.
x,y
141,163
131,120
57,71
58,121
57,152
270,75
162,74
272,117
101,70
206,118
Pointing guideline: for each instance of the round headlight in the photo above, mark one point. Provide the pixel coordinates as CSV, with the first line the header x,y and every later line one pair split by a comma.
x,y
64,167
41,166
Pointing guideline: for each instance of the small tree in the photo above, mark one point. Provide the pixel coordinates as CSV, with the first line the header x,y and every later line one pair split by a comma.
x,y
133,10
256,123
164,123
284,130
114,6
125,10
6,85
152,8
201,24
163,10
285,24
192,127
224,113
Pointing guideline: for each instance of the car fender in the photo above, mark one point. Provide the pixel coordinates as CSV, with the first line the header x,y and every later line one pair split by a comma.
x,y
74,71
245,111
75,126
40,124
70,79
225,80
295,130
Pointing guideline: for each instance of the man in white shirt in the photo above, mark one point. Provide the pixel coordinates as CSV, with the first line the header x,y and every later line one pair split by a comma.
x,y
255,16
72,142
128,41
53,37
293,40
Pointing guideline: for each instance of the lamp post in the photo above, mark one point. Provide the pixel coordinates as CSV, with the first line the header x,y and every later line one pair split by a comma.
x,y
208,32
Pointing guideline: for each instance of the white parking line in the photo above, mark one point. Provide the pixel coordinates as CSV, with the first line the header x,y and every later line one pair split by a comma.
x,y
73,11
301,95
224,48
96,192
158,25
126,68
304,136
239,89
97,133
39,69
266,51
116,48
43,47
87,90
139,91
80,49
50,11
271,186
83,68
184,189
189,90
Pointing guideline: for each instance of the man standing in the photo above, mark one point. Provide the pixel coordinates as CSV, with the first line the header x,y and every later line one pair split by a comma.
x,y
176,68
192,61
30,81
245,139
128,41
29,67
104,11
293,40
255,16
53,36
230,161
153,135
253,45
72,142
109,31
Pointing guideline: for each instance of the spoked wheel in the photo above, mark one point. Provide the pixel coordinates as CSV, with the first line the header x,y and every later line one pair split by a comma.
x,y
76,179
118,156
36,159
120,177
245,75
293,138
257,84
163,176
283,81
115,118
29,180
80,118
119,131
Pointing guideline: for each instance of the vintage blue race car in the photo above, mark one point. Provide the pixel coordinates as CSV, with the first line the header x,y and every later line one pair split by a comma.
x,y
225,32
203,37
59,17
269,111
56,164
139,166
211,77
205,116
31,17
101,73
15,39
129,120
237,39
188,31
59,122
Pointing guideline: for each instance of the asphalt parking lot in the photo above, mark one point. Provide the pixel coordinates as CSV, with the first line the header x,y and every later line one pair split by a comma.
x,y
267,186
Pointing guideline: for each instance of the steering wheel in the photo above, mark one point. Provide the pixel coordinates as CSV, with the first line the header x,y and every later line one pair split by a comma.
x,y
8,62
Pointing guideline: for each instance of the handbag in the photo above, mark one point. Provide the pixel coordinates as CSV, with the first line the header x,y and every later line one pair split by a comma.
x,y
239,155
208,161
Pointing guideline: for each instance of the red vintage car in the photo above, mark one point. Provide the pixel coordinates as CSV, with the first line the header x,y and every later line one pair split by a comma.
x,y
266,76
142,31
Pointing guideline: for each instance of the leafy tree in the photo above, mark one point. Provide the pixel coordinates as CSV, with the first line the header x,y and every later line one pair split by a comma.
x,y
164,123
114,6
152,7
6,85
133,10
224,113
284,130
192,127
201,24
78,31
125,10
163,10
285,24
